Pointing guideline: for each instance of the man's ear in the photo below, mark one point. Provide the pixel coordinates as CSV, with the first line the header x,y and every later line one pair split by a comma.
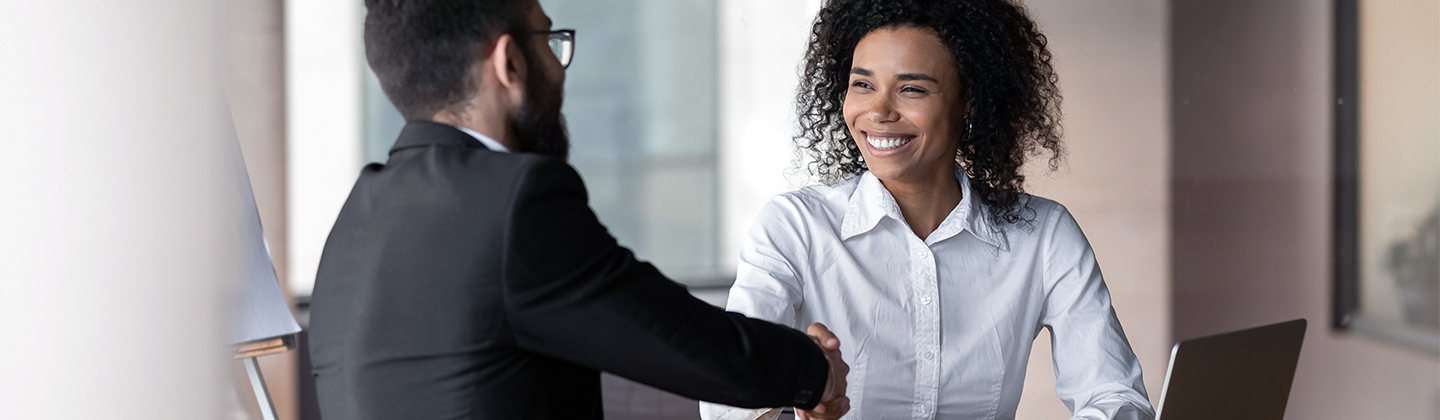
x,y
509,67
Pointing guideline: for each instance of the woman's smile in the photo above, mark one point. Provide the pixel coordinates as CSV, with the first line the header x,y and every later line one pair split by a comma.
x,y
903,104
886,144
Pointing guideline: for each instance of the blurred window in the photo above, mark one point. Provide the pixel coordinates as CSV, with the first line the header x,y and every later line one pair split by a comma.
x,y
641,104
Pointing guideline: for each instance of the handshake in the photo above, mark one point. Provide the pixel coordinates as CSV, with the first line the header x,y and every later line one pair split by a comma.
x,y
833,402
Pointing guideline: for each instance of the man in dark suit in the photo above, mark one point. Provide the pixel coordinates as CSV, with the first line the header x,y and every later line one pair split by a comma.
x,y
467,277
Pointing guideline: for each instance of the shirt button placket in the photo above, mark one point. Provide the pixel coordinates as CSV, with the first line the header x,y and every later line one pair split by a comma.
x,y
927,331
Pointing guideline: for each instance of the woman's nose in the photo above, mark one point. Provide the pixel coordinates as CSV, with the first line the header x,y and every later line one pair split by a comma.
x,y
882,109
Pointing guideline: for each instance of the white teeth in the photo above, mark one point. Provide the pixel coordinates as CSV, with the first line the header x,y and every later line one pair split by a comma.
x,y
887,143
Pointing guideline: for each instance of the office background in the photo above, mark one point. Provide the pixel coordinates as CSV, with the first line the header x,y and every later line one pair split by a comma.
x,y
1200,135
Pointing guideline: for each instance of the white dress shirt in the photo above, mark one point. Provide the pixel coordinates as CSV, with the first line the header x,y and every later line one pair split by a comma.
x,y
939,328
489,143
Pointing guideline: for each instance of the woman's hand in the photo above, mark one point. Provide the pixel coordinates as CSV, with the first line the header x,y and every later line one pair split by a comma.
x,y
833,403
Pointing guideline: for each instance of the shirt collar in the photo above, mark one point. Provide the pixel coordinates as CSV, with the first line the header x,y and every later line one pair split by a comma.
x,y
871,201
486,140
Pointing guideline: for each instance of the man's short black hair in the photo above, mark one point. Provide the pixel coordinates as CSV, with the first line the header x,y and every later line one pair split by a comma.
x,y
421,50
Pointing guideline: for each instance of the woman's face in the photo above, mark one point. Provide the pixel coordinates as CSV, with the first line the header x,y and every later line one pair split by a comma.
x,y
903,106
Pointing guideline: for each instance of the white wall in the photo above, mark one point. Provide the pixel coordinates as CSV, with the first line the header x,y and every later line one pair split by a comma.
x,y
762,43
324,148
119,210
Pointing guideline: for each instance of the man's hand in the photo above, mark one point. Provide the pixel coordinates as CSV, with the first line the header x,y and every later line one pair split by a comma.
x,y
833,403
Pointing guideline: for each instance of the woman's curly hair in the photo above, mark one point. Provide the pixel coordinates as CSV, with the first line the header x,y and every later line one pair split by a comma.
x,y
1005,74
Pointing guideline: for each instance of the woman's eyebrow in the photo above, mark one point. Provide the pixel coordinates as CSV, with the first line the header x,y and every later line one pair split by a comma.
x,y
915,76
861,71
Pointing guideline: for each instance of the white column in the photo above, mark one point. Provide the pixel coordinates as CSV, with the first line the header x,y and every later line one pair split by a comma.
x,y
324,61
118,221
762,43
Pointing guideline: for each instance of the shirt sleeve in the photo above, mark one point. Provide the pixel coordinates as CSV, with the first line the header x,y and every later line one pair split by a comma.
x,y
574,294
767,278
1096,373
767,287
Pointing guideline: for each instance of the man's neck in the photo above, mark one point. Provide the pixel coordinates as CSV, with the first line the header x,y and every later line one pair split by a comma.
x,y
492,126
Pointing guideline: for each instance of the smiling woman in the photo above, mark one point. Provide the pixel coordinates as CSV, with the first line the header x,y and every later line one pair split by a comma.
x,y
1004,87
903,109
921,251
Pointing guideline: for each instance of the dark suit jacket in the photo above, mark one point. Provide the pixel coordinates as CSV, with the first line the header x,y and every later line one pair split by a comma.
x,y
461,283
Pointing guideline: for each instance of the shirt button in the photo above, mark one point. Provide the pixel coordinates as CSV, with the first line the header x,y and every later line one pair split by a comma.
x,y
924,300
920,254
924,410
927,355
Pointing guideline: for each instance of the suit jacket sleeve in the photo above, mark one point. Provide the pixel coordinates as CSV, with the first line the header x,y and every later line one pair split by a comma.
x,y
574,294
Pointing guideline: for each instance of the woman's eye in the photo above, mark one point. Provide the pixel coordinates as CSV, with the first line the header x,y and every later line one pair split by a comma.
x,y
861,84
913,89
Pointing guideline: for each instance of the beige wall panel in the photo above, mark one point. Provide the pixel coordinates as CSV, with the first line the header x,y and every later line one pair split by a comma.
x,y
1252,210
1112,59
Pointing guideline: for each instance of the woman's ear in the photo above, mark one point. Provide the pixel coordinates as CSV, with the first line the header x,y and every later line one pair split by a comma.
x,y
509,66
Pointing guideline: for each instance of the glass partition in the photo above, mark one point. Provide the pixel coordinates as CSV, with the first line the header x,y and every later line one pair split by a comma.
x,y
640,101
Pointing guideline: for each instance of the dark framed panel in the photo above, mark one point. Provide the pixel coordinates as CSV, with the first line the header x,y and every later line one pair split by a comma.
x,y
1387,174
1346,132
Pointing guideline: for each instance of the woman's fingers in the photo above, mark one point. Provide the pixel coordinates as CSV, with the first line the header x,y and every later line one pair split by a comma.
x,y
826,338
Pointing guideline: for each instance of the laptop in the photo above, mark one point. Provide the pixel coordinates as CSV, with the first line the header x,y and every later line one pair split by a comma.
x,y
1242,375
